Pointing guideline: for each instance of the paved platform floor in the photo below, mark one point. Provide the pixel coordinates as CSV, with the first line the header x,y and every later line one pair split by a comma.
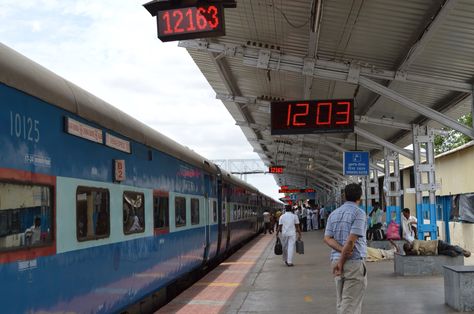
x,y
254,280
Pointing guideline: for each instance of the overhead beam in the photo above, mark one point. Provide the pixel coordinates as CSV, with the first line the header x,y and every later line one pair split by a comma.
x,y
418,47
383,142
332,70
413,105
427,34
324,69
316,9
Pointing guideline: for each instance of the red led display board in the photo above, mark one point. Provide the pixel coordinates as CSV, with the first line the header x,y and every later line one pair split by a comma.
x,y
312,116
276,169
191,22
288,191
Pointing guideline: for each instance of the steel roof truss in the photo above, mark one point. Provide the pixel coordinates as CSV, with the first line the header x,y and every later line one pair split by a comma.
x,y
413,105
324,69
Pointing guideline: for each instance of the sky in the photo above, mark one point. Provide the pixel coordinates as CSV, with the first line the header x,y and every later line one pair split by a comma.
x,y
110,48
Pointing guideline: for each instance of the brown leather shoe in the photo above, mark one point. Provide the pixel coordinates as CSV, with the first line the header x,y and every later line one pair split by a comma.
x,y
466,253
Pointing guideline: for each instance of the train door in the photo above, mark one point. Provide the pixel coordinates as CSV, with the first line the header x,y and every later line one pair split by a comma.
x,y
219,210
207,226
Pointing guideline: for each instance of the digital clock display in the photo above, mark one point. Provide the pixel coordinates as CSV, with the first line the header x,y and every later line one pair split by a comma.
x,y
312,116
191,22
276,169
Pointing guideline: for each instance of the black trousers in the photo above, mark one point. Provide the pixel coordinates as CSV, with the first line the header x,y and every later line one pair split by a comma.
x,y
445,248
304,221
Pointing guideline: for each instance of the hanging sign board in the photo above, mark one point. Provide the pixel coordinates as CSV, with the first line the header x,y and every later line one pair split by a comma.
x,y
356,163
182,21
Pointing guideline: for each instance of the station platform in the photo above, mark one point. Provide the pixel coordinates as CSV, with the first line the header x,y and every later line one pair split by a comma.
x,y
254,280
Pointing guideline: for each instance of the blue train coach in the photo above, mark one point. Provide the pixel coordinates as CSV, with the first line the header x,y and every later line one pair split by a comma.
x,y
97,210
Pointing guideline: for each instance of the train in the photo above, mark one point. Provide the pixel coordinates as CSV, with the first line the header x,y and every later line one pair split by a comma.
x,y
97,210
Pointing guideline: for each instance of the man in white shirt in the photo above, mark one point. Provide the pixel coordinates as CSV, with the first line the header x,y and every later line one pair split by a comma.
x,y
288,225
407,221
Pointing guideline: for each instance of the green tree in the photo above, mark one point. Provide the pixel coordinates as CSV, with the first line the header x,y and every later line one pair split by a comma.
x,y
444,143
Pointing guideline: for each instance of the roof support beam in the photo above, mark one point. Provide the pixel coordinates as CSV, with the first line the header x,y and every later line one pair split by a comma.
x,y
413,105
383,122
383,142
316,10
324,69
428,34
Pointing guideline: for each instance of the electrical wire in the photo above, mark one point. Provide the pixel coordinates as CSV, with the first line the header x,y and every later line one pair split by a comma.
x,y
289,22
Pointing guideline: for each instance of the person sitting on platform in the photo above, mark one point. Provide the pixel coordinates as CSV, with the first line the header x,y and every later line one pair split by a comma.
x,y
407,231
434,247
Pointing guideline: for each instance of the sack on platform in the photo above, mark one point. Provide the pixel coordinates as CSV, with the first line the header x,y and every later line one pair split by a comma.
x,y
299,247
393,231
278,248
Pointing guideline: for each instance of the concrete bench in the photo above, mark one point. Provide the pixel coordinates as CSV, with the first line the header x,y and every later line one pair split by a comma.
x,y
418,265
459,287
385,245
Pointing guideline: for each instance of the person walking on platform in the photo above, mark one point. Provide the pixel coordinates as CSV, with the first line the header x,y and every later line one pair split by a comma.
x,y
266,222
304,218
288,225
322,216
345,234
315,218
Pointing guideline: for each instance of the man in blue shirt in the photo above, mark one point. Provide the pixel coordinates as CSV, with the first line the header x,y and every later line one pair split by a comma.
x,y
345,234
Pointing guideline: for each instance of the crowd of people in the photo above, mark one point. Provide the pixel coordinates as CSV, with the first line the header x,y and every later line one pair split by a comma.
x,y
310,216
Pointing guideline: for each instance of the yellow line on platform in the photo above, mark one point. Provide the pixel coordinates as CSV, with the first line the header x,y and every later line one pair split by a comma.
x,y
308,299
218,284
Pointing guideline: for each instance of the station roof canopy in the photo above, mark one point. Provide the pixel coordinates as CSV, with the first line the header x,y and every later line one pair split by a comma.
x,y
404,62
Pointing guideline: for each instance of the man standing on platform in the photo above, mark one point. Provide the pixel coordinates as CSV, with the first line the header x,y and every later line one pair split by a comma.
x,y
288,225
345,234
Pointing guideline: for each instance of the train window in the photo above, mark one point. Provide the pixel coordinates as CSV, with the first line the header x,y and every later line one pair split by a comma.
x,y
133,212
214,211
161,212
194,211
92,213
180,211
234,213
26,215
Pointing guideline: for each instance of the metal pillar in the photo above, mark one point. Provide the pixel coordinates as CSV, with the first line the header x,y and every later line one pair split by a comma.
x,y
391,183
372,189
423,138
364,201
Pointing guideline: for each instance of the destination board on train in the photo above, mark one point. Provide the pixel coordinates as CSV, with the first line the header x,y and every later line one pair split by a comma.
x,y
312,116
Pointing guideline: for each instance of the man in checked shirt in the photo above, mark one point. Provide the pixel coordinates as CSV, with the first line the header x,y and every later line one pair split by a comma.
x,y
345,234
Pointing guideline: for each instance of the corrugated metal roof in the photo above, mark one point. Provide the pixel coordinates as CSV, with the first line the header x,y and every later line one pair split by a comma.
x,y
374,34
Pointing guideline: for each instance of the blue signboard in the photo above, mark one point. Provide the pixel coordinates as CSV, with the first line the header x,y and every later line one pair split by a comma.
x,y
356,163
